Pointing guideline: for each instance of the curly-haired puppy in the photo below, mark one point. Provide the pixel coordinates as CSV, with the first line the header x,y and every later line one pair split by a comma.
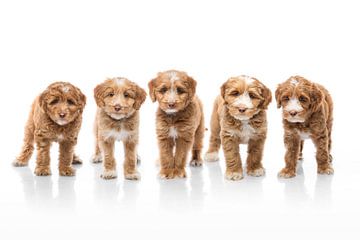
x,y
239,117
117,119
179,122
307,110
55,116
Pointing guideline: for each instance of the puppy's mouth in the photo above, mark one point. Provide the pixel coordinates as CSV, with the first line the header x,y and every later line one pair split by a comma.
x,y
293,117
123,113
62,122
170,108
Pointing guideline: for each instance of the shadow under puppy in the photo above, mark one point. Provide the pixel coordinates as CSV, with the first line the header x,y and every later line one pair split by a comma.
x,y
239,117
117,118
179,122
307,110
55,116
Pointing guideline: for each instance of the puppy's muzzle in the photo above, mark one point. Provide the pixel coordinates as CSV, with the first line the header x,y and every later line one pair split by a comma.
x,y
117,108
293,113
62,115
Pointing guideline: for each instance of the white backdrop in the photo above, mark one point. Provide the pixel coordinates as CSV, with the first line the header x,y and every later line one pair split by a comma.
x,y
84,42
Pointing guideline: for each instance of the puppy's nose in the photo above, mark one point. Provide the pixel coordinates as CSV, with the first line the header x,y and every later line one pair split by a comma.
x,y
62,115
117,108
293,113
242,109
171,105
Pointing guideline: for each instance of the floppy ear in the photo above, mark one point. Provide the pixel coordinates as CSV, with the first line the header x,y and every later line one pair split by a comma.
x,y
316,97
82,99
42,100
191,86
223,90
151,86
278,94
266,93
99,94
140,96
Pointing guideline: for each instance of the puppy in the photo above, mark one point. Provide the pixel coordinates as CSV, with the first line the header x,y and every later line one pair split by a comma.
x,y
117,118
307,110
55,116
179,122
239,117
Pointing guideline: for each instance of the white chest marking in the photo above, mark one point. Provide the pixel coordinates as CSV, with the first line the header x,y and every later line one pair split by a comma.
x,y
304,135
294,105
117,135
173,132
245,133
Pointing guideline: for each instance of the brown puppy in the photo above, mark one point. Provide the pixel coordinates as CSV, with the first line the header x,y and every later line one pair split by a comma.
x,y
239,117
179,122
55,116
307,113
117,118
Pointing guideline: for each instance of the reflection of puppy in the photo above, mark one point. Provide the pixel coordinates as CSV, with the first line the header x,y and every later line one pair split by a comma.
x,y
179,122
55,116
307,113
239,117
117,118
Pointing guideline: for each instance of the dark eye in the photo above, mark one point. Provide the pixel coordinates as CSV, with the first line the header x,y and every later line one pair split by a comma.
x,y
163,90
286,98
235,93
180,90
110,95
302,99
252,95
126,95
53,102
70,102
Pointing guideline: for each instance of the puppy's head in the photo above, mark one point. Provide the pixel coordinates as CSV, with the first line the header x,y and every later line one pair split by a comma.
x,y
174,90
245,96
62,102
299,98
119,97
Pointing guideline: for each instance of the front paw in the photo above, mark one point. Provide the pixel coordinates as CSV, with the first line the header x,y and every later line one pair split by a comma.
x,y
76,160
42,171
67,171
133,176
180,173
97,158
108,174
287,173
167,173
326,170
211,156
234,176
19,163
196,163
256,172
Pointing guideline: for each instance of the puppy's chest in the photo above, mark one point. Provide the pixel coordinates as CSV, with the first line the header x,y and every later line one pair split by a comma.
x,y
117,134
245,132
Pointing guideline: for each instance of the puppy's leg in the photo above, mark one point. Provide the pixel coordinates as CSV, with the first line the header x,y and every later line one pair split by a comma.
x,y
255,152
321,142
231,149
107,148
43,158
301,149
292,144
212,153
130,171
97,158
181,152
196,160
66,151
28,147
167,164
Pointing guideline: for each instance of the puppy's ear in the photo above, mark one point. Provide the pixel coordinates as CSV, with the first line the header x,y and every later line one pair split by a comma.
x,y
42,100
316,98
140,96
223,91
266,93
191,86
99,94
278,94
151,86
82,99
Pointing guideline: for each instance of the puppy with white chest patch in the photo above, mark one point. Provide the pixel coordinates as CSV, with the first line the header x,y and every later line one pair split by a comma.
x,y
179,122
239,117
307,110
117,119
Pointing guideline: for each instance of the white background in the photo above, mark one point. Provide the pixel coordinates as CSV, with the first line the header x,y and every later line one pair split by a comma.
x,y
84,42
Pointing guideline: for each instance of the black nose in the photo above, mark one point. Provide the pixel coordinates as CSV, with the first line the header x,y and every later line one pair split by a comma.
x,y
171,105
242,110
117,108
293,113
62,115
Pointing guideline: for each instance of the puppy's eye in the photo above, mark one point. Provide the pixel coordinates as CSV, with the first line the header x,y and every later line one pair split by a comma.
x,y
70,102
163,90
286,98
235,93
302,99
126,95
54,101
252,95
180,90
110,94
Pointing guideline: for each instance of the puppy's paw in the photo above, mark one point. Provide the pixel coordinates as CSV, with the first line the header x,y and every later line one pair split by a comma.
x,y
234,176
19,163
256,172
76,160
108,174
67,171
287,173
167,173
96,158
196,163
180,173
133,176
211,156
327,170
42,171
138,159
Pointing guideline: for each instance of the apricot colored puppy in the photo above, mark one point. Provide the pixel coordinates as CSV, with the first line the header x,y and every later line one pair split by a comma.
x,y
239,117
307,110
179,122
117,119
55,116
